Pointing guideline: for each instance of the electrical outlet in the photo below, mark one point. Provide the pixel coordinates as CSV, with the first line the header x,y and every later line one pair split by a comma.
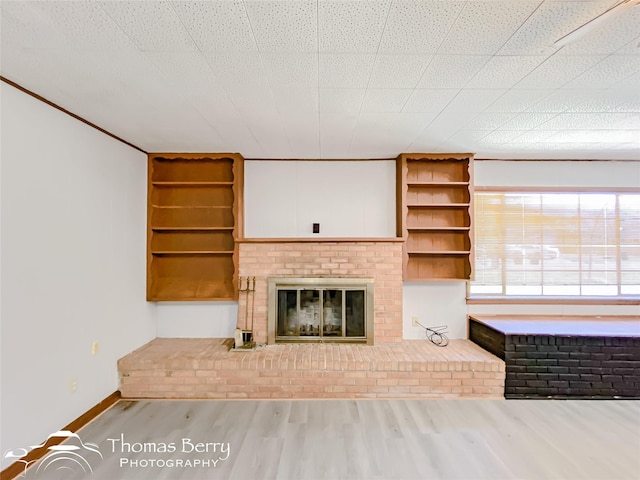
x,y
95,347
414,321
73,385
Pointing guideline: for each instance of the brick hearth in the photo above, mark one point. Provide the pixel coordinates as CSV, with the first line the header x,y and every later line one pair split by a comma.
x,y
205,368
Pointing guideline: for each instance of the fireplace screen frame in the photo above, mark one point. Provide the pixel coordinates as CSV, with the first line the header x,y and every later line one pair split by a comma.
x,y
320,284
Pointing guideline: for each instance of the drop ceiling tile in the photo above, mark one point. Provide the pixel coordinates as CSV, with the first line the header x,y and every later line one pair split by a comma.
x,y
518,100
596,136
418,26
351,26
220,26
410,126
561,100
473,100
269,132
250,100
610,70
630,83
586,121
631,48
336,131
504,72
527,121
341,100
345,70
375,129
398,71
622,120
25,25
428,142
607,38
451,122
500,137
385,100
611,100
284,26
451,71
188,72
303,136
547,24
295,69
414,123
429,100
558,71
83,25
470,137
238,69
533,136
231,128
484,26
165,33
488,121
295,99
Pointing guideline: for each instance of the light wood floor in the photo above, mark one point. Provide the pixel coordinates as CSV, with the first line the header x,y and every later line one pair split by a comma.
x,y
373,439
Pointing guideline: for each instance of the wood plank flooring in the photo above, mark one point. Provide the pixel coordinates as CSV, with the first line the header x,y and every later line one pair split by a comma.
x,y
366,439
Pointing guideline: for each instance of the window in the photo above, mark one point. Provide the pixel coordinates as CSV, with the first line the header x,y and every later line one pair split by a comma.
x,y
577,244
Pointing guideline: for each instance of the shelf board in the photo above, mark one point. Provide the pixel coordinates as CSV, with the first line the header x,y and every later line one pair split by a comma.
x,y
192,252
192,229
192,184
175,298
437,205
437,184
228,207
438,229
438,252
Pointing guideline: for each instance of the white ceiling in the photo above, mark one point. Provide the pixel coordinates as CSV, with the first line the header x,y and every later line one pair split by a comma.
x,y
337,79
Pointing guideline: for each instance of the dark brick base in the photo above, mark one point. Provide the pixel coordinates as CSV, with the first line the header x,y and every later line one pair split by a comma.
x,y
564,366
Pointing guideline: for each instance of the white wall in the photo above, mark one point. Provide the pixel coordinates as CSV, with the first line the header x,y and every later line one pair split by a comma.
x,y
196,319
440,303
347,198
73,204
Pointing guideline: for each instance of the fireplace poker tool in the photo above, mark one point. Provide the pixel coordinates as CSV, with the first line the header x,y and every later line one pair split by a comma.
x,y
253,299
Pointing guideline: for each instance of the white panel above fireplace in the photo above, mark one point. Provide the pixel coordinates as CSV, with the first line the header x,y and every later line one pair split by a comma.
x,y
347,198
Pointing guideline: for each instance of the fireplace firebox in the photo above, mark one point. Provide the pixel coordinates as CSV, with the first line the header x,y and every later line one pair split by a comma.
x,y
320,310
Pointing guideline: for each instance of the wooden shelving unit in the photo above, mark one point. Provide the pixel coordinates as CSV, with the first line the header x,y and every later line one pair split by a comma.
x,y
434,215
194,214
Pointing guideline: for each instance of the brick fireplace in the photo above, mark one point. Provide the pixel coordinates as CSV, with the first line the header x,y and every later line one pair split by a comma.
x,y
379,259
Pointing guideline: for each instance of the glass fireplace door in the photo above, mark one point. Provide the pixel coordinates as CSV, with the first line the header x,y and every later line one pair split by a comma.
x,y
320,314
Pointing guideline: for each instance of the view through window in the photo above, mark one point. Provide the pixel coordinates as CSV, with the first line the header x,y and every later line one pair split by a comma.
x,y
557,244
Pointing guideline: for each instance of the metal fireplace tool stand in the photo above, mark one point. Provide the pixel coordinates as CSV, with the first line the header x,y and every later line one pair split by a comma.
x,y
243,337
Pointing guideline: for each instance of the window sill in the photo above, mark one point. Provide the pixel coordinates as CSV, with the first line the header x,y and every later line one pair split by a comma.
x,y
553,300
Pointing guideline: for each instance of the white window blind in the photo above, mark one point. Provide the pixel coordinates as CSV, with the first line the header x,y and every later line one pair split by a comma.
x,y
557,244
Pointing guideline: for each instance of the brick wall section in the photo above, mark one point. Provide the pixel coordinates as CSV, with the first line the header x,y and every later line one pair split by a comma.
x,y
205,368
381,261
490,339
563,366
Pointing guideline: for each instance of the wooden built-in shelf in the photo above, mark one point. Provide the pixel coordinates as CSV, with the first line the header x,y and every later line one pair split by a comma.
x,y
434,203
191,229
437,184
438,252
438,229
194,215
438,205
191,184
191,252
